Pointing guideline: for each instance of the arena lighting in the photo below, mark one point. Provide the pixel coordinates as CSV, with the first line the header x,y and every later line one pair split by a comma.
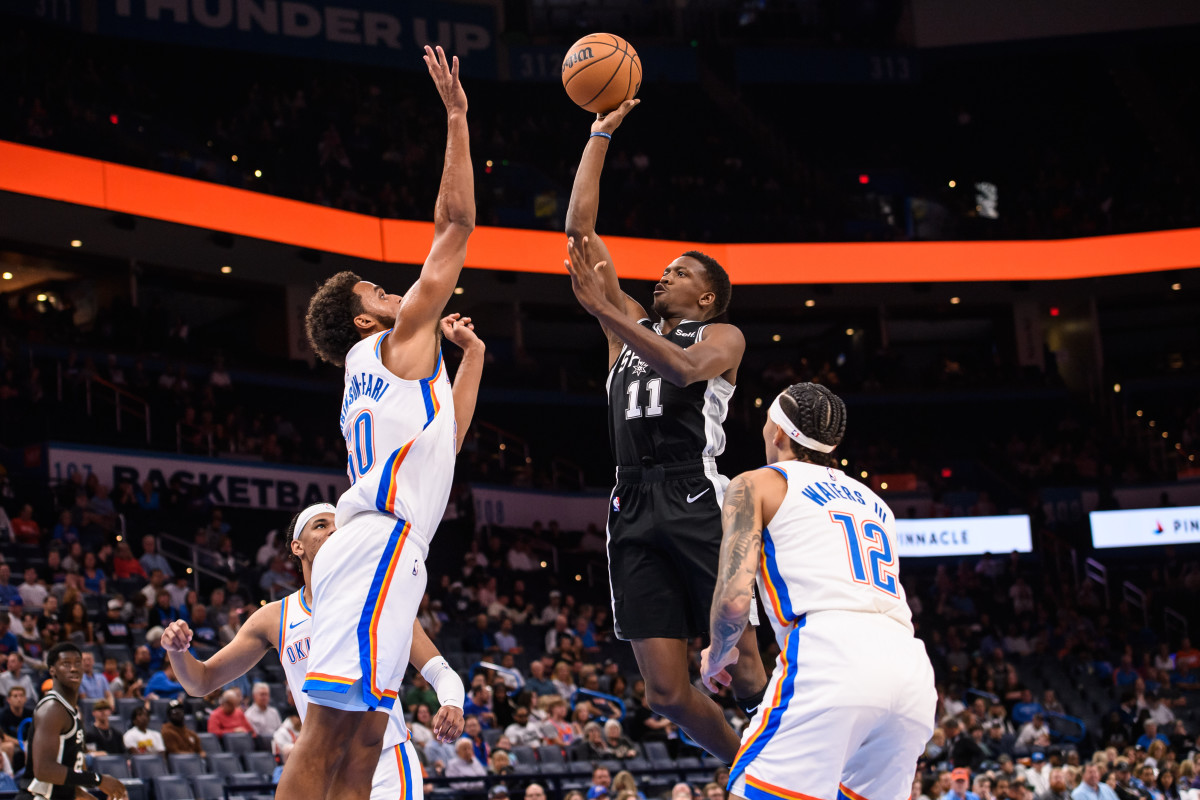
x,y
258,173
1116,388
189,570
7,276
489,162
864,179
459,290
809,303
955,301
1152,423
947,472
76,243
845,462
864,474
233,157
758,402
503,446
1054,311
41,298
849,331
883,485
1175,287
1139,412
953,184
776,338
543,565
1164,434
114,119
225,270
578,577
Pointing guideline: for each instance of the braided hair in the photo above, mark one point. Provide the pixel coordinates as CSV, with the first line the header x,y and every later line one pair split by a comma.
x,y
819,414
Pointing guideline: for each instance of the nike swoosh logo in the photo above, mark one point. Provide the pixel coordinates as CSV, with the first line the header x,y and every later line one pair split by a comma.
x,y
692,499
296,624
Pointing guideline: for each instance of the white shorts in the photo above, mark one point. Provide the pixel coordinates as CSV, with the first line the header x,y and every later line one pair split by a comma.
x,y
848,711
368,580
398,776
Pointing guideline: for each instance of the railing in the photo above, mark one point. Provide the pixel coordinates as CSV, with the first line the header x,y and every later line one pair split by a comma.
x,y
607,698
1173,620
508,445
481,665
1136,598
1053,717
208,437
133,405
1094,570
190,562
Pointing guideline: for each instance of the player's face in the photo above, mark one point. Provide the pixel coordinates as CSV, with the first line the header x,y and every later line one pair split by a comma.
x,y
68,670
378,304
683,289
770,432
315,532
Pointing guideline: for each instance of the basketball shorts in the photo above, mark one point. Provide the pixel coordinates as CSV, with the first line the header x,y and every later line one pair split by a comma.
x,y
664,546
367,581
398,776
847,713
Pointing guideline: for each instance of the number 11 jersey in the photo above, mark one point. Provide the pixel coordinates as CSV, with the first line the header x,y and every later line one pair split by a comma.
x,y
653,421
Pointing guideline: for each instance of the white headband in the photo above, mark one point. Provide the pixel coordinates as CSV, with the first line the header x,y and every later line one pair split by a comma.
x,y
307,514
781,419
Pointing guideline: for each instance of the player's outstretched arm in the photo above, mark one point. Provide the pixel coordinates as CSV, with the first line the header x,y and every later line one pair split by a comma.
x,y
720,350
741,519
253,639
454,213
461,331
585,192
448,723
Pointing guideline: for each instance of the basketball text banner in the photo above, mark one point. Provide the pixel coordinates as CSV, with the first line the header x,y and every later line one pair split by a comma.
x,y
1145,526
963,536
236,484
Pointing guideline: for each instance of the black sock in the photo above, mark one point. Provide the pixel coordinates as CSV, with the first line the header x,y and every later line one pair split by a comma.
x,y
749,705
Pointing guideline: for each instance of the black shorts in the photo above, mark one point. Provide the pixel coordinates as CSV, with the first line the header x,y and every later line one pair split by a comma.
x,y
664,546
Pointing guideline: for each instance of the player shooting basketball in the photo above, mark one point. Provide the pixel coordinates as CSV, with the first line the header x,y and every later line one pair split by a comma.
x,y
669,386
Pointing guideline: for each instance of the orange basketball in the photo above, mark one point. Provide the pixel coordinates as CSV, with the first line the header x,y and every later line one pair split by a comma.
x,y
601,71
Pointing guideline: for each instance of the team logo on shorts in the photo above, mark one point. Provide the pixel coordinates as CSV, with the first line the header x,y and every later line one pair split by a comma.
x,y
616,504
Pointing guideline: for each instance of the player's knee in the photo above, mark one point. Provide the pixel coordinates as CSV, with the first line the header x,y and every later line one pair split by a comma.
x,y
667,700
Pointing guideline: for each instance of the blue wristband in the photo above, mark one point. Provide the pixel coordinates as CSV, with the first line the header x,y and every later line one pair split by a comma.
x,y
602,133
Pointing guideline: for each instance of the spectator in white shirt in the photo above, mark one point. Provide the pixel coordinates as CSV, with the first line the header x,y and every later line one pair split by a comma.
x,y
550,613
13,676
464,764
522,731
33,592
139,739
284,739
520,559
261,714
560,628
1033,729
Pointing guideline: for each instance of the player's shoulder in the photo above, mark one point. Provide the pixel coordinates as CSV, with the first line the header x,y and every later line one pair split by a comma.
x,y
720,331
265,619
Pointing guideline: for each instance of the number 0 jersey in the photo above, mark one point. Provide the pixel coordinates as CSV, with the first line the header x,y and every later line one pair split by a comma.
x,y
652,420
831,546
294,643
400,440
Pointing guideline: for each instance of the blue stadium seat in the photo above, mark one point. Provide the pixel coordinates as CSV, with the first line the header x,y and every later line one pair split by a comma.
x,y
208,787
243,778
238,743
113,765
524,754
172,787
185,764
550,754
148,767
657,751
262,763
209,742
223,764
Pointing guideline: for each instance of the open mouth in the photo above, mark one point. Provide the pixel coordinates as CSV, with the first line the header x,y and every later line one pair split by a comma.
x,y
659,288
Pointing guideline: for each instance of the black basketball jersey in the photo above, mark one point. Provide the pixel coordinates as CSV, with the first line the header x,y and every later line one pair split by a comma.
x,y
651,420
70,750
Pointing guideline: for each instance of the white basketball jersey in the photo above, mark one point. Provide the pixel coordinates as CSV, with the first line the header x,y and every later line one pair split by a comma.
x,y
830,546
400,440
295,628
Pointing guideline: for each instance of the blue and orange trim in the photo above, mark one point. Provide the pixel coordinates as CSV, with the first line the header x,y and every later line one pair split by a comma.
x,y
778,598
846,793
405,771
761,790
283,612
385,496
780,470
319,681
772,718
368,623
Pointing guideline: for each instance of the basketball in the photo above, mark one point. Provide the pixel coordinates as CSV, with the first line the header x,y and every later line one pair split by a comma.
x,y
601,71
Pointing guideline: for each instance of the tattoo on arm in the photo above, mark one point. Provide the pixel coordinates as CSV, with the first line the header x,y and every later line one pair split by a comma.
x,y
740,548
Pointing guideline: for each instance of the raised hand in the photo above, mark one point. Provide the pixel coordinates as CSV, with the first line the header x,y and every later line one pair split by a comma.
x,y
586,280
177,638
460,330
610,121
445,77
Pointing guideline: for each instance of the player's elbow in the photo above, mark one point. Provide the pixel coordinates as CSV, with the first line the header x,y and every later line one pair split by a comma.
x,y
459,221
734,608
577,226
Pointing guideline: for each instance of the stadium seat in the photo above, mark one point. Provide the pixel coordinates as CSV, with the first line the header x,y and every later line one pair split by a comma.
x,y
524,754
243,779
223,764
262,763
185,764
172,787
148,767
552,768
158,709
491,736
550,754
525,769
114,765
238,743
657,751
138,790
635,764
118,651
208,787
209,742
611,765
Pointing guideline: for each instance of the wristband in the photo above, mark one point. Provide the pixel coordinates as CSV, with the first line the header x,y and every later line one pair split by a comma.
x,y
445,681
86,778
602,133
